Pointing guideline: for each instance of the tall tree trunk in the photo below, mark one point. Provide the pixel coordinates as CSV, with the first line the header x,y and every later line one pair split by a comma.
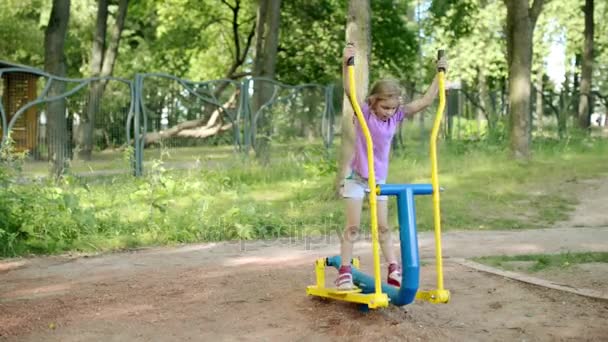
x,y
562,115
576,75
102,65
486,103
358,31
267,40
539,99
481,109
521,20
54,63
587,69
565,97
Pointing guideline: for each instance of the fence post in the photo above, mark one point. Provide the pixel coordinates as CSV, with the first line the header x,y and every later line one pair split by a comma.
x,y
328,116
245,114
139,144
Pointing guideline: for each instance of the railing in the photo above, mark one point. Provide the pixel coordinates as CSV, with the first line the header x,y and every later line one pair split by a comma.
x,y
159,114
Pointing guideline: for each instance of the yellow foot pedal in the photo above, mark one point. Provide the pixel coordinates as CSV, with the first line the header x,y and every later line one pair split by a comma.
x,y
337,291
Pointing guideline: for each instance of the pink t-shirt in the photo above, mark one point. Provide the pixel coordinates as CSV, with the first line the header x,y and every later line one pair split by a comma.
x,y
382,133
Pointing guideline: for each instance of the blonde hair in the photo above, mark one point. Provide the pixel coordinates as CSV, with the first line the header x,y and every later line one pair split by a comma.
x,y
388,89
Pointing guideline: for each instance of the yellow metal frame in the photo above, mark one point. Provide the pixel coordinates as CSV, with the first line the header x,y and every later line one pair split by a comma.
x,y
376,299
440,295
371,180
373,300
379,299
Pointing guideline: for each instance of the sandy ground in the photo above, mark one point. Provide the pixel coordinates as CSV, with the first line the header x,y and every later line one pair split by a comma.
x,y
256,291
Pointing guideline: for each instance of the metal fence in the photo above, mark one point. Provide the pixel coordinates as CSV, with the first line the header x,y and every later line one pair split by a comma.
x,y
74,123
111,125
471,115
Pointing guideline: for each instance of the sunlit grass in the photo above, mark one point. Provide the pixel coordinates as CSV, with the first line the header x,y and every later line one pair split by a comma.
x,y
116,161
238,198
489,190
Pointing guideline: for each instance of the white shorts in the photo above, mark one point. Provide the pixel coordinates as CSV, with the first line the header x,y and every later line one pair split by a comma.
x,y
356,186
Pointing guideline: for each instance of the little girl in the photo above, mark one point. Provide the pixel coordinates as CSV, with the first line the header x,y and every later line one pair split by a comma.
x,y
383,110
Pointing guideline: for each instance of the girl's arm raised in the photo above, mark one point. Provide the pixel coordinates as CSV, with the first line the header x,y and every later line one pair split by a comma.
x,y
429,96
423,102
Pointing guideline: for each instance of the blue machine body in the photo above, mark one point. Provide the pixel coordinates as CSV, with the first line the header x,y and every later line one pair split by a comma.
x,y
410,259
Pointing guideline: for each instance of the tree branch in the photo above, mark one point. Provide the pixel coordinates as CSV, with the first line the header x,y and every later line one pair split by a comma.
x,y
240,59
194,128
248,44
235,30
604,98
535,10
112,50
239,75
204,132
229,5
475,102
99,41
252,18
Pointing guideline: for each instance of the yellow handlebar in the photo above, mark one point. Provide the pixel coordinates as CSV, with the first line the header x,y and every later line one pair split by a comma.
x,y
441,294
371,178
435,177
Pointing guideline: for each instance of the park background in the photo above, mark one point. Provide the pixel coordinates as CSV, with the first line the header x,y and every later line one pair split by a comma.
x,y
148,123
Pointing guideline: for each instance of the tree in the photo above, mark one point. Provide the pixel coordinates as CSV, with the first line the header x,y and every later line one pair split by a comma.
x,y
521,20
103,58
472,30
267,40
322,22
240,51
358,31
600,49
21,36
194,39
54,63
587,68
304,21
395,48
209,41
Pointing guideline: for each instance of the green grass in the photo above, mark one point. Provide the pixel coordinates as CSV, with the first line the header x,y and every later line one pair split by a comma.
x,y
540,262
240,199
486,189
176,157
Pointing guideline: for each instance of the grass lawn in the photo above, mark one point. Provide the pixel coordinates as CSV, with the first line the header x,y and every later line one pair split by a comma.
x,y
234,198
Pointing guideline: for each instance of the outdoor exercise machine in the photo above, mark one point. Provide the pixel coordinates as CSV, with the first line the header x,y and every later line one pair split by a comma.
x,y
371,293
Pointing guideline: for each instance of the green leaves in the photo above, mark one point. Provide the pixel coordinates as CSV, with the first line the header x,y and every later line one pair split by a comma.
x,y
304,22
472,32
20,31
194,38
394,45
312,39
457,15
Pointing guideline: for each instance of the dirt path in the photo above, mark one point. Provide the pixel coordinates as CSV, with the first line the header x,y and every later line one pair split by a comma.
x,y
256,291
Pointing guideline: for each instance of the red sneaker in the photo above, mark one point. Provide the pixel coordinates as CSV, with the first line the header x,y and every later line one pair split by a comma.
x,y
394,275
344,281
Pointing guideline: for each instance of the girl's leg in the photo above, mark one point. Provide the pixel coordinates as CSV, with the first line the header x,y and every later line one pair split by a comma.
x,y
388,249
351,231
344,281
384,233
